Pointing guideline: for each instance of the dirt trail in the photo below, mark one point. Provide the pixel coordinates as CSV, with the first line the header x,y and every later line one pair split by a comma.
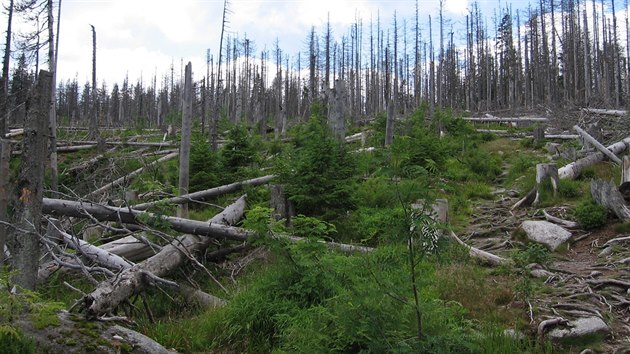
x,y
576,287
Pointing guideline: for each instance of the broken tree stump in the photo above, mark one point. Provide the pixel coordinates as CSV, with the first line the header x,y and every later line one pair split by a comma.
x,y
546,171
606,194
624,186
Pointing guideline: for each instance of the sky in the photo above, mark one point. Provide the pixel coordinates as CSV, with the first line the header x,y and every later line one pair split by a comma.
x,y
142,38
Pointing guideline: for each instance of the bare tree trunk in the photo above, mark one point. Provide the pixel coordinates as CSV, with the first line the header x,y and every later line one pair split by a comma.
x,y
52,113
5,157
109,294
23,241
184,151
4,88
93,131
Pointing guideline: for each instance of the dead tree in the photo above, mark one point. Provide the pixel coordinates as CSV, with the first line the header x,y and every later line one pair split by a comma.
x,y
109,294
93,127
23,239
4,87
184,151
5,157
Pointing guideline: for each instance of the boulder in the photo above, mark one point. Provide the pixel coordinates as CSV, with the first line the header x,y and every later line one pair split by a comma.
x,y
581,327
550,235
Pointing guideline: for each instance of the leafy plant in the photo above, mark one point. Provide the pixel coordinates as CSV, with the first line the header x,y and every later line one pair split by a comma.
x,y
591,215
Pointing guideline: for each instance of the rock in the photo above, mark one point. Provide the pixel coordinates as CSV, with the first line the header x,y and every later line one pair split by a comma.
x,y
512,333
581,327
546,233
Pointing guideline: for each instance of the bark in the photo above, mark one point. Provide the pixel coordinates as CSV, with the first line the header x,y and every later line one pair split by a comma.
x,y
607,195
128,177
607,112
587,137
24,248
208,193
516,120
184,151
109,294
130,216
483,256
573,170
5,157
624,187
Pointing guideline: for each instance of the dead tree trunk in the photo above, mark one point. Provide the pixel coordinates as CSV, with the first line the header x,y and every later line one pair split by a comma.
x,y
587,137
131,216
109,294
131,175
23,241
624,187
607,195
573,170
389,125
5,157
208,193
93,125
184,151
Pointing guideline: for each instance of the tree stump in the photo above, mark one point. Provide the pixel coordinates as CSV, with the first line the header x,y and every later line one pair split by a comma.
x,y
539,133
607,195
282,206
547,170
624,186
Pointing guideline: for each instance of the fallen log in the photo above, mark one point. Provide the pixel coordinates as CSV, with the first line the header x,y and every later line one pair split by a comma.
x,y
130,248
588,138
129,176
109,294
208,193
100,212
493,119
481,255
573,170
125,143
607,112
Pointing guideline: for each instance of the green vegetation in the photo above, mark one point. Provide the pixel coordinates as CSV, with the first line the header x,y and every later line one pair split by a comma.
x,y
590,215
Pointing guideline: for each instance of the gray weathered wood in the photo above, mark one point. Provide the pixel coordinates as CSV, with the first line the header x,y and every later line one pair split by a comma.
x,y
208,193
597,145
573,170
624,186
23,241
184,150
546,171
131,175
607,195
389,125
5,157
109,294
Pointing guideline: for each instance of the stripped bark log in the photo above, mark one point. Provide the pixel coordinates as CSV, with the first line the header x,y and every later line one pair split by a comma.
x,y
109,294
131,216
130,248
607,112
130,176
587,137
208,193
493,119
607,195
485,257
573,170
561,222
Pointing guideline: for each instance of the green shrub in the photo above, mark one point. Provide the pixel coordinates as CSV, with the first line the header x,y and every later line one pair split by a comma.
x,y
205,170
590,215
318,172
534,253
12,341
569,189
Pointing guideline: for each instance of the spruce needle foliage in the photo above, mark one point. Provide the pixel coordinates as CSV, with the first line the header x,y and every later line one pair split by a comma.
x,y
318,172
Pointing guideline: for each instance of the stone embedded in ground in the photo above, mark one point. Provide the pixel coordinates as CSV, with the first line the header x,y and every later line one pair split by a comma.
x,y
581,327
546,233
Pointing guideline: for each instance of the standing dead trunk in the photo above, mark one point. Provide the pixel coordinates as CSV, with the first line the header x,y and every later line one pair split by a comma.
x,y
23,241
93,126
5,157
389,125
52,112
336,111
184,151
4,88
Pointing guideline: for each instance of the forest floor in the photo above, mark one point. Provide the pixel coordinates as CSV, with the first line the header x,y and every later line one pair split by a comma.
x,y
576,284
